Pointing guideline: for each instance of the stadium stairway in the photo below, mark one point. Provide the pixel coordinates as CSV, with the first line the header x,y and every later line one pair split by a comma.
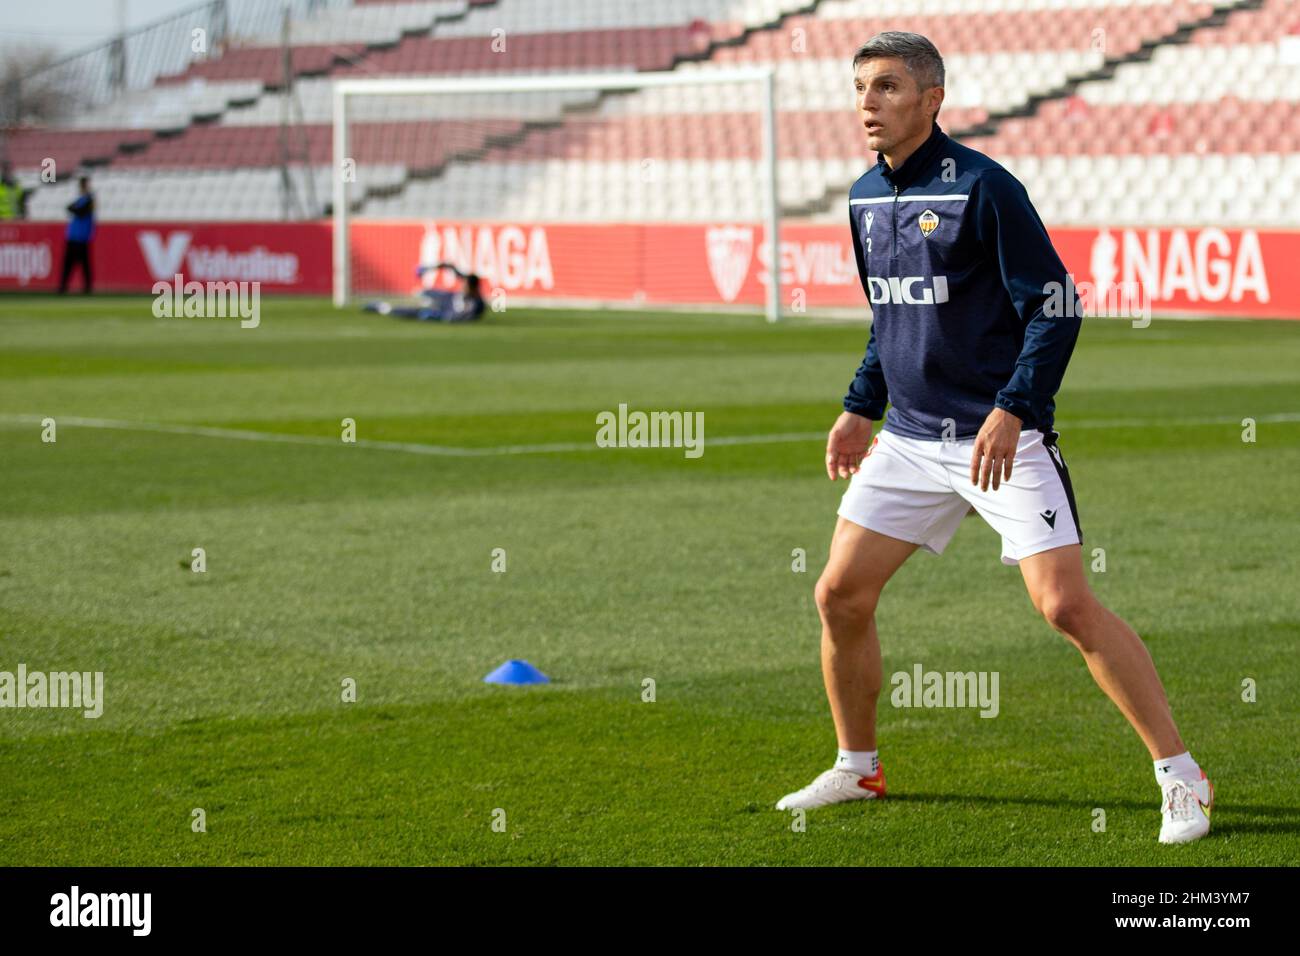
x,y
91,148
797,126
504,141
836,197
217,139
242,145
257,69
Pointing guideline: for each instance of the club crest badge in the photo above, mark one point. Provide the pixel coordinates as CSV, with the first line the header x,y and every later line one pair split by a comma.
x,y
730,249
928,222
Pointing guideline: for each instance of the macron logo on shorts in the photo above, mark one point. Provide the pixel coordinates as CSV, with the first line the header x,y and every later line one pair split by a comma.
x,y
1050,517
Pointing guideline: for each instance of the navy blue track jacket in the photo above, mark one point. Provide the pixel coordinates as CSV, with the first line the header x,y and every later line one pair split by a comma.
x,y
957,267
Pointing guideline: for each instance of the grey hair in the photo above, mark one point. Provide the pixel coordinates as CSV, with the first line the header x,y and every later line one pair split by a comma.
x,y
919,55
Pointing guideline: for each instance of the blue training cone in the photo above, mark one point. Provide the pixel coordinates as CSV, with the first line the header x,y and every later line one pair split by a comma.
x,y
516,672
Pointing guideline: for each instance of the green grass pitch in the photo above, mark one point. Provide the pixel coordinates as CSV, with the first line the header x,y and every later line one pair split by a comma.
x,y
329,560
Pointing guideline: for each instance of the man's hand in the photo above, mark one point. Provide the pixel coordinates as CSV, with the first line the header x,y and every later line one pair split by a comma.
x,y
995,449
846,445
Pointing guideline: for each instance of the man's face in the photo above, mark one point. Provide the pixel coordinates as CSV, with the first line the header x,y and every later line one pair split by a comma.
x,y
891,107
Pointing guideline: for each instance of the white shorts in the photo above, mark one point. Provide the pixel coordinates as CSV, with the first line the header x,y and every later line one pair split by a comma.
x,y
919,491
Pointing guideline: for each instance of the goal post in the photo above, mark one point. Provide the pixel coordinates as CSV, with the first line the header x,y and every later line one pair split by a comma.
x,y
385,120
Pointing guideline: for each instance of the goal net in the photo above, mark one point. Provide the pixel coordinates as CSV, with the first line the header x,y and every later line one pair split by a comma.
x,y
636,189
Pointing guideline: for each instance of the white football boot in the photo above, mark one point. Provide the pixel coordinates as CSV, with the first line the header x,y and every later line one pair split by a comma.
x,y
1185,809
836,785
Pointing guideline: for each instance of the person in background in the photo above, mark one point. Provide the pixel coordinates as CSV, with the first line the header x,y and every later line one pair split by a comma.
x,y
13,198
81,230
441,305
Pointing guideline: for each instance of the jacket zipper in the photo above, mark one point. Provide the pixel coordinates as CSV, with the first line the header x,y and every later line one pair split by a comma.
x,y
894,254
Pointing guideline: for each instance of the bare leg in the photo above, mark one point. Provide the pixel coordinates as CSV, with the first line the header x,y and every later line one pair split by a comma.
x,y
1115,655
860,564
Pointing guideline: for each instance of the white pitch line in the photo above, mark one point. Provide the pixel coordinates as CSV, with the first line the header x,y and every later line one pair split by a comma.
x,y
452,451
1275,418
415,448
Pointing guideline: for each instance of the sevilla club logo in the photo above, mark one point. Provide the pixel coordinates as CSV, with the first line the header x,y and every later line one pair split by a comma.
x,y
730,250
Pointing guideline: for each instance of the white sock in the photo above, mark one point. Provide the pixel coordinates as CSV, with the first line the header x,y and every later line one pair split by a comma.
x,y
865,762
1181,767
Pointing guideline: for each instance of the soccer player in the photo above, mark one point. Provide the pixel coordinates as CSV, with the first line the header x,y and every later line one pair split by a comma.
x,y
968,351
440,305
